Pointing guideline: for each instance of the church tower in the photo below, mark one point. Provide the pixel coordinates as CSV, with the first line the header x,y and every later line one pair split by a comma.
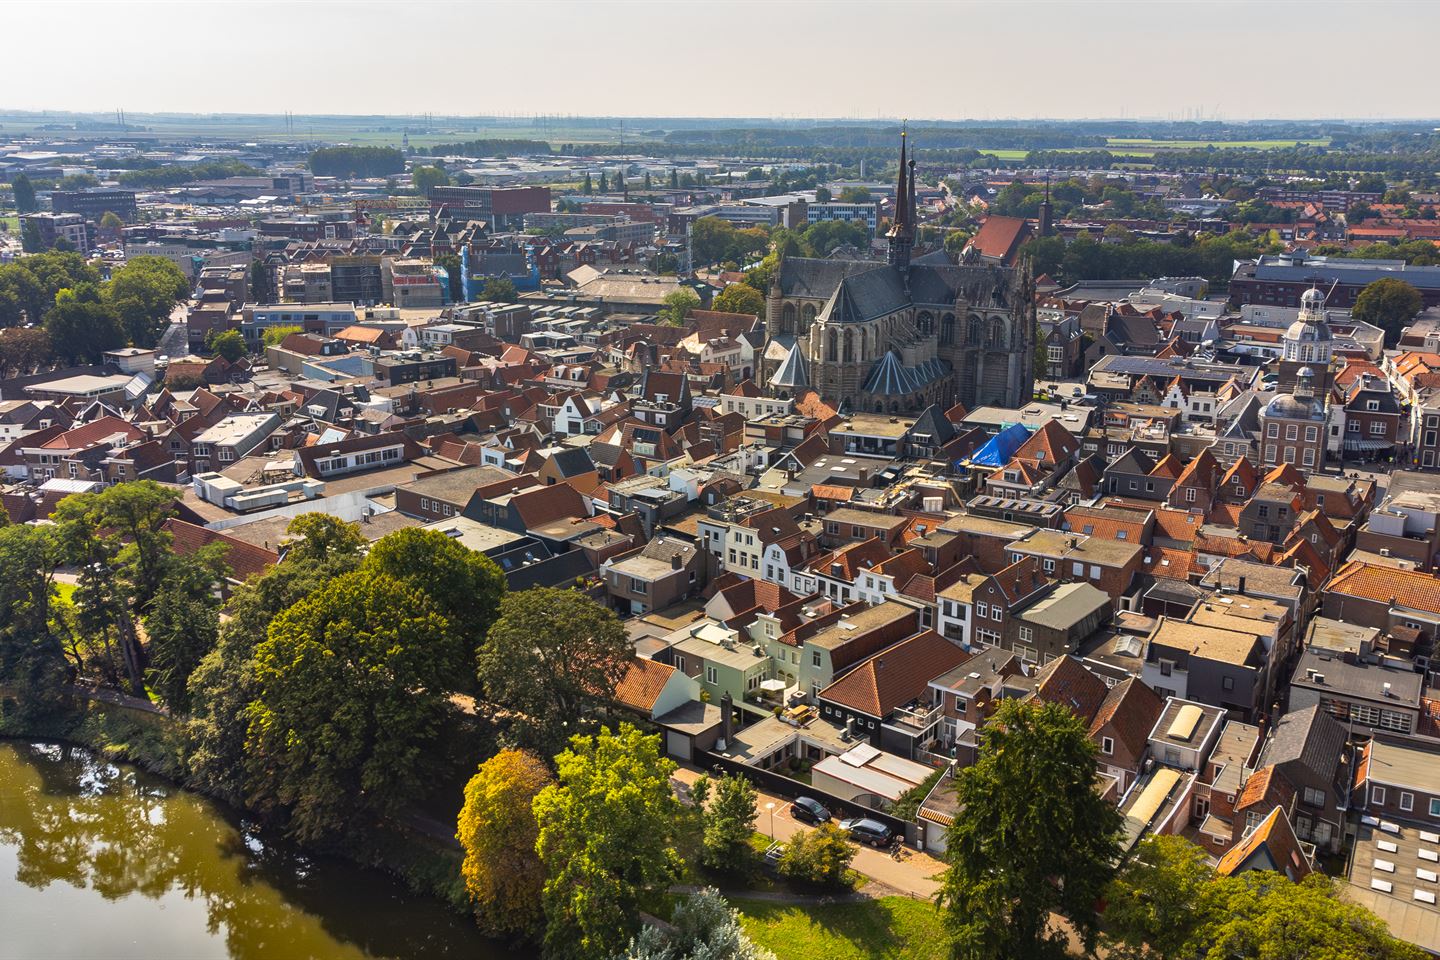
x,y
902,231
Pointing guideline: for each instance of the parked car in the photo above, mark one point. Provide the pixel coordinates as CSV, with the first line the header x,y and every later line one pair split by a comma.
x,y
810,811
865,830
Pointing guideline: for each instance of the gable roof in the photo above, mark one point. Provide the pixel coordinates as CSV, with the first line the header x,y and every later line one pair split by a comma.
x,y
895,676
1065,681
642,684
1406,588
1274,838
1129,711
244,559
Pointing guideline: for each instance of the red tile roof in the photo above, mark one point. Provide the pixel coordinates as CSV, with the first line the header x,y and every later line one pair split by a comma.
x,y
642,684
1407,588
897,675
244,559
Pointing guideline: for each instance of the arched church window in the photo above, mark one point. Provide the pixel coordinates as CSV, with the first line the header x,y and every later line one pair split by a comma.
x,y
947,329
832,344
849,345
787,318
976,337
926,322
997,334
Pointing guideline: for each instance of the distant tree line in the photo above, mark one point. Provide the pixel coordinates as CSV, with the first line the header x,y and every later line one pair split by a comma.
x,y
357,162
172,176
486,148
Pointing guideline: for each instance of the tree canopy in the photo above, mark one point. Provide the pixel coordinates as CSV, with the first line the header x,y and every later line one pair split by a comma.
x,y
606,840
351,687
1024,845
739,298
551,654
677,306
1389,304
498,832
228,344
426,178
357,162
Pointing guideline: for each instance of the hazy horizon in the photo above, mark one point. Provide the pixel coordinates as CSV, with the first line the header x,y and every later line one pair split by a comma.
x,y
784,59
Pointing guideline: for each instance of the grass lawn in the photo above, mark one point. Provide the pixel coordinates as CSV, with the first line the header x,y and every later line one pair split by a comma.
x,y
893,928
66,591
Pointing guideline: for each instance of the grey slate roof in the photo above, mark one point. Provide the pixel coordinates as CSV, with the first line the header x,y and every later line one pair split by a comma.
x,y
1309,737
889,378
791,372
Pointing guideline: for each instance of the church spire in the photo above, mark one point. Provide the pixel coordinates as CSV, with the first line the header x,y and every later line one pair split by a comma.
x,y
902,230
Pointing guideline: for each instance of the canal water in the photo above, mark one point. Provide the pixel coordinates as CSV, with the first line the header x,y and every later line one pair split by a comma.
x,y
99,860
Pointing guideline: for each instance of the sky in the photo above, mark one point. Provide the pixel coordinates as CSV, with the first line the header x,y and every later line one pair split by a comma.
x,y
942,59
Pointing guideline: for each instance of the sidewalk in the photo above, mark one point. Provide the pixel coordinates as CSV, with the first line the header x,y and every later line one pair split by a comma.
x,y
916,875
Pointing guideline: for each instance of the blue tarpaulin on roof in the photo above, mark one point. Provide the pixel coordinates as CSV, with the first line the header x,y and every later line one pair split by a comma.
x,y
998,450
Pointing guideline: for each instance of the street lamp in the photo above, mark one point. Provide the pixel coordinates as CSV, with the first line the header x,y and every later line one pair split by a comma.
x,y
770,807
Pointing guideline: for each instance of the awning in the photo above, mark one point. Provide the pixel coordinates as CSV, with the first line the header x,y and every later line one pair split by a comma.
x,y
1365,445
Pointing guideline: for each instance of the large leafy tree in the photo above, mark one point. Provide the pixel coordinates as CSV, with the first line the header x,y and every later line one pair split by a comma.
x,y
24,192
677,306
551,654
116,540
350,693
466,586
1389,304
607,831
728,819
184,621
32,660
426,178
740,298
498,289
1033,837
320,537
228,344
1161,905
224,684
497,830
82,326
143,293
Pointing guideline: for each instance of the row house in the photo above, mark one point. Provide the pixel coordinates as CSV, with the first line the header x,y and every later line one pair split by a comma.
x,y
975,610
1110,565
78,453
1384,598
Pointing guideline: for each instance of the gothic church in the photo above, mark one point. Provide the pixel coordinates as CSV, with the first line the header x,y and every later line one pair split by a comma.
x,y
899,336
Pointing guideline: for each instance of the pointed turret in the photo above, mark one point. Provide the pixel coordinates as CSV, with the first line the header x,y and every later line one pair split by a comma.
x,y
902,230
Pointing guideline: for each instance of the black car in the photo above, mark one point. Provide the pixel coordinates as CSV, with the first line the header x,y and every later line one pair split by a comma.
x,y
865,830
809,811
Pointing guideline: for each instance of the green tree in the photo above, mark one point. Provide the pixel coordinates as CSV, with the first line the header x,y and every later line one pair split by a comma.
x,y
116,539
24,192
674,178
1389,304
274,336
1163,903
357,162
465,586
184,622
704,927
32,661
224,684
822,195
143,293
30,239
677,306
111,222
228,344
322,538
351,690
604,184
22,350
587,187
818,858
855,195
607,830
1024,846
77,181
454,274
740,298
729,820
259,281
1267,917
552,654
499,289
427,178
498,832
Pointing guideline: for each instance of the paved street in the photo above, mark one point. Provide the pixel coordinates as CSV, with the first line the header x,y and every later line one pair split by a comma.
x,y
913,875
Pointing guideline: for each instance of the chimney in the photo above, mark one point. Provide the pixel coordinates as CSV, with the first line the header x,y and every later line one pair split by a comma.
x,y
727,710
675,563
1240,584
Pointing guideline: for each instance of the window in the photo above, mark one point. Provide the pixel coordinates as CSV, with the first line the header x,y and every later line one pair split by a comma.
x,y
1311,434
680,663
1352,426
1166,666
1273,430
712,675
1309,457
814,658
1377,428
1377,795
1107,746
1078,569
1027,634
1189,494
1314,798
1407,801
1048,566
982,610
1292,432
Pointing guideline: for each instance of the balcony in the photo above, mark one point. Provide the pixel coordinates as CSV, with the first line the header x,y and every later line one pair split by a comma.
x,y
917,715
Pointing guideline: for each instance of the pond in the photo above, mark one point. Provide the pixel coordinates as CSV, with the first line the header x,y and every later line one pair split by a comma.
x,y
103,860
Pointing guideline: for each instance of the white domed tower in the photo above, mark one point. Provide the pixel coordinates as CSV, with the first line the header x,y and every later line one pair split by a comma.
x,y
1308,343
